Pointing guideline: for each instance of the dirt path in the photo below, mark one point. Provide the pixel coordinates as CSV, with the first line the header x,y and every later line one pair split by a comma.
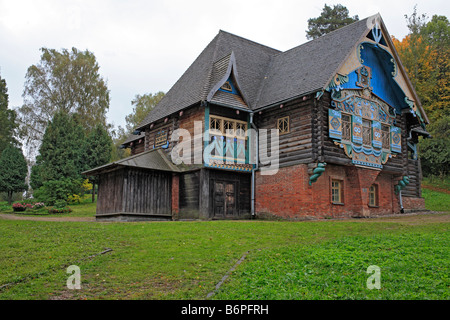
x,y
34,218
408,218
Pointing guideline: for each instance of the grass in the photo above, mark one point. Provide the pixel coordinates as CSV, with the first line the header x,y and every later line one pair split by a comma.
x,y
86,208
185,260
436,200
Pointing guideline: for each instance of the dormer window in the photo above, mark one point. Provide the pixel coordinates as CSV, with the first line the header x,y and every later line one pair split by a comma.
x,y
227,86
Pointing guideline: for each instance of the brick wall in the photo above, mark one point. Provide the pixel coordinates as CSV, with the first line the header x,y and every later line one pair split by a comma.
x,y
288,194
413,203
175,195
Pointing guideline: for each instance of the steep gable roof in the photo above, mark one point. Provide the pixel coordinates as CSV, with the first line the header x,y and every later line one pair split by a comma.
x,y
310,66
251,61
264,76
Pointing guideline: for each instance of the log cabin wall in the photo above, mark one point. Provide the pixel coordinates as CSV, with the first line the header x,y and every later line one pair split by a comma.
x,y
138,146
295,146
187,121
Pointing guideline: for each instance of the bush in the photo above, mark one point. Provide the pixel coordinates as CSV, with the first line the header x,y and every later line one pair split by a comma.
x,y
59,210
58,190
18,207
27,205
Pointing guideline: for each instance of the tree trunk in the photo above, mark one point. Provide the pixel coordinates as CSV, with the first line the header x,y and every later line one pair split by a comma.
x,y
93,191
10,194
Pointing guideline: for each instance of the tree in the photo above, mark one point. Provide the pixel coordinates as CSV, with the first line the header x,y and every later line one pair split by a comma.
x,y
437,35
66,81
59,163
7,119
143,105
435,152
97,151
425,54
13,171
331,18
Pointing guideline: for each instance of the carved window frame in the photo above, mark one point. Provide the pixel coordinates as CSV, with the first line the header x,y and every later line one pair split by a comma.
x,y
283,125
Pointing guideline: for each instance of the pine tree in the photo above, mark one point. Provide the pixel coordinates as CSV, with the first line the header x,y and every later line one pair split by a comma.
x,y
58,168
331,18
97,151
7,118
13,171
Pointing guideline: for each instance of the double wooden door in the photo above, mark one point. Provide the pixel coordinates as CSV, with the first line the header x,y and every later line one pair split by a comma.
x,y
224,199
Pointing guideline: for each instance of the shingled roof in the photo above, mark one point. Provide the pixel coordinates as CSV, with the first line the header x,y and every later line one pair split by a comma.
x,y
154,159
265,75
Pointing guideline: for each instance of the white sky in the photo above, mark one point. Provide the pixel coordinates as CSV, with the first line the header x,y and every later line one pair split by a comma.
x,y
145,46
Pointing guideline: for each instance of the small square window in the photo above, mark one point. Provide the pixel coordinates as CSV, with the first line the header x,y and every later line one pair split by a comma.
x,y
283,125
336,191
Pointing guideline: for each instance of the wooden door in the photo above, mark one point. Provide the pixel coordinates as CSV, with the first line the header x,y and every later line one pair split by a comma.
x,y
224,199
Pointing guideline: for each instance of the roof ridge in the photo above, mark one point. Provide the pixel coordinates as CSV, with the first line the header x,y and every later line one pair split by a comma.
x,y
207,80
248,40
323,36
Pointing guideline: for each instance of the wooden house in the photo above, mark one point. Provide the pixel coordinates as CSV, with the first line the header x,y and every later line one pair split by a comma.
x,y
340,115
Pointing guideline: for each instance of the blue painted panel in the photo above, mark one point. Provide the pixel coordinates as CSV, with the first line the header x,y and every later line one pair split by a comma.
x,y
233,87
383,71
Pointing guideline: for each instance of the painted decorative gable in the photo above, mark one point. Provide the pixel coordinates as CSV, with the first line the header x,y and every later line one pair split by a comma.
x,y
367,93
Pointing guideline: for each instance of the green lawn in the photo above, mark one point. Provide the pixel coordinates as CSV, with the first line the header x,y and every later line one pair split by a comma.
x,y
84,209
185,260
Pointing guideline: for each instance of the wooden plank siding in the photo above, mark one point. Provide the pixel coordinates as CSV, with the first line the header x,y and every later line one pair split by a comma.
x,y
189,195
133,191
110,192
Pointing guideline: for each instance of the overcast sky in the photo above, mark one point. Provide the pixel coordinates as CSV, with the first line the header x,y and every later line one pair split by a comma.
x,y
145,46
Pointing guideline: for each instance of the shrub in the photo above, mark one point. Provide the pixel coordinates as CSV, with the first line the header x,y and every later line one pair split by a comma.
x,y
38,205
59,210
75,198
17,207
52,191
27,205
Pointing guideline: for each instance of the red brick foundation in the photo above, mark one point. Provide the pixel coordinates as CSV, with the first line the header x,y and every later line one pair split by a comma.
x,y
288,194
175,195
413,204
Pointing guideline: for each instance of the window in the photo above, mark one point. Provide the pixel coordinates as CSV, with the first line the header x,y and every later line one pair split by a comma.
x,y
283,125
385,137
346,127
367,137
336,191
227,86
161,138
228,127
229,137
373,195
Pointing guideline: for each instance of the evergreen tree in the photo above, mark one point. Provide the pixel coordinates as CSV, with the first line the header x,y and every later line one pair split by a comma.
x,y
331,18
97,151
13,171
7,118
58,168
